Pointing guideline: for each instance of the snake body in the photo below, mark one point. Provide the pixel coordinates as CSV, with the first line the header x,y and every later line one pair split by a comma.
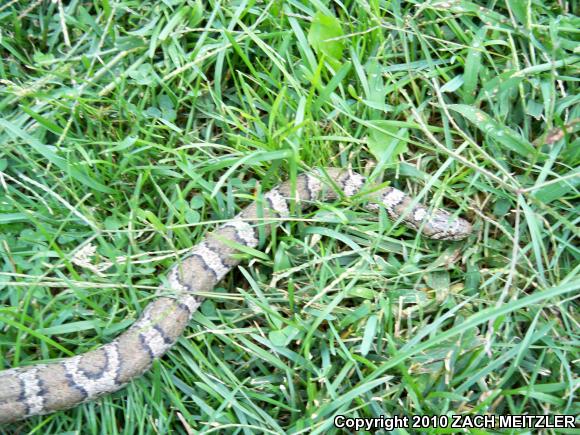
x,y
43,388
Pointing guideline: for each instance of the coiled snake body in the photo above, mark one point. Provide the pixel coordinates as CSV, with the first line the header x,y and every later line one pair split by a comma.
x,y
44,388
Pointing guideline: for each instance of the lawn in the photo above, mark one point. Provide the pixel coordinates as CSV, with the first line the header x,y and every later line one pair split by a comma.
x,y
129,129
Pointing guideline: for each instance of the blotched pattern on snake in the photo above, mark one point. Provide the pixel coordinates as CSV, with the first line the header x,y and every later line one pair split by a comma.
x,y
44,388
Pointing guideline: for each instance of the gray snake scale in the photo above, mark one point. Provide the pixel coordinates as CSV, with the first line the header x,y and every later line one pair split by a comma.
x,y
43,388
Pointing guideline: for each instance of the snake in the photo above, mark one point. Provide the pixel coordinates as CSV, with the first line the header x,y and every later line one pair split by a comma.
x,y
42,388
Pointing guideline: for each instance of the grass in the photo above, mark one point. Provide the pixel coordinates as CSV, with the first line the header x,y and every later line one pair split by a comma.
x,y
128,130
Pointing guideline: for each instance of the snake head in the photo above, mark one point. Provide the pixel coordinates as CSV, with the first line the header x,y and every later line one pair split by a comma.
x,y
442,225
